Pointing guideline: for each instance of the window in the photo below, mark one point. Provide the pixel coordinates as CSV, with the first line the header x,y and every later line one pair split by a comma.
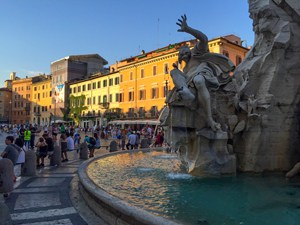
x,y
43,87
35,89
121,77
117,97
88,101
141,111
111,82
99,99
83,87
121,97
226,53
154,92
142,95
154,70
74,90
79,88
131,76
94,99
131,96
50,94
238,60
89,87
117,81
104,99
104,83
99,84
142,73
166,69
110,98
153,110
94,85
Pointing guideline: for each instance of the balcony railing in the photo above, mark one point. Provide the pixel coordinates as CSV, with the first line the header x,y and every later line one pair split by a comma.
x,y
104,105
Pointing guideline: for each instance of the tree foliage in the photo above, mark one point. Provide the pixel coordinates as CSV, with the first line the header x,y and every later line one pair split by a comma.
x,y
76,107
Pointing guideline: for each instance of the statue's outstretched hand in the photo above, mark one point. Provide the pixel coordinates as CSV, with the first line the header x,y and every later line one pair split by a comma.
x,y
182,23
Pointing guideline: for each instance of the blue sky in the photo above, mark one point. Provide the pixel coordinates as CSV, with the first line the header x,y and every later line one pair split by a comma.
x,y
35,33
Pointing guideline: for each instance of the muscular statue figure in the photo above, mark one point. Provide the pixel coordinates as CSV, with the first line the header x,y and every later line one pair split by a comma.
x,y
201,72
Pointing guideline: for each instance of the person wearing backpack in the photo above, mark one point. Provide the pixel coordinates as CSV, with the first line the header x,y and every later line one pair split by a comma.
x,y
91,142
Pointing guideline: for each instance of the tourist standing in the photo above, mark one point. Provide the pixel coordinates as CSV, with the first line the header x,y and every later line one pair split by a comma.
x,y
131,141
70,143
10,152
42,149
21,132
32,137
21,157
64,147
27,136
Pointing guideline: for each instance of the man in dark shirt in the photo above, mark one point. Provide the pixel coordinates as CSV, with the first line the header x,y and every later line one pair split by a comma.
x,y
11,151
32,138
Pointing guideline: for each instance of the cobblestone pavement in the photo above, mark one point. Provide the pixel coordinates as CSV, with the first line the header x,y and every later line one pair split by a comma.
x,y
51,197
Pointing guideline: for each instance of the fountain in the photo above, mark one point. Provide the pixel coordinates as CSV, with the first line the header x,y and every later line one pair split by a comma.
x,y
220,125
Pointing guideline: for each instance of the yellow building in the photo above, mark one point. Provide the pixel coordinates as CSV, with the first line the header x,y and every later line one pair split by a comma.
x,y
41,93
145,79
93,96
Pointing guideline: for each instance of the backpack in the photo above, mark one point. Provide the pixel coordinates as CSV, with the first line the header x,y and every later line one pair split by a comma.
x,y
92,141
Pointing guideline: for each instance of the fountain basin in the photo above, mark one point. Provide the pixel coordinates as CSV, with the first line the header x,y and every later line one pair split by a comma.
x,y
154,190
110,208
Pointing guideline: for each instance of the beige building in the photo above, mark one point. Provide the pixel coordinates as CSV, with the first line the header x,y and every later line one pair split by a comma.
x,y
97,94
41,100
70,68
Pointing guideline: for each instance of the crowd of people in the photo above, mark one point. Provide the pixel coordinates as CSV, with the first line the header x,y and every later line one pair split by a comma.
x,y
43,140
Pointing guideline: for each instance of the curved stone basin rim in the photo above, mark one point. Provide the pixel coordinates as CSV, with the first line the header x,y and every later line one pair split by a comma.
x,y
117,209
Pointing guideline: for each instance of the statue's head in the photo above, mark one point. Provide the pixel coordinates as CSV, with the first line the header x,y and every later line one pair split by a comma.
x,y
184,54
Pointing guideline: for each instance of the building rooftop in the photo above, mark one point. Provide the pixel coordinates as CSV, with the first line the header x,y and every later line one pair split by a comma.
x,y
78,57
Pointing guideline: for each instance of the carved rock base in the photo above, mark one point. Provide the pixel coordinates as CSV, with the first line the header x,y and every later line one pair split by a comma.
x,y
211,156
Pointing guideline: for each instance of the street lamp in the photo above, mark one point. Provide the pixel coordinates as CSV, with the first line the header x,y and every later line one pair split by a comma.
x,y
10,112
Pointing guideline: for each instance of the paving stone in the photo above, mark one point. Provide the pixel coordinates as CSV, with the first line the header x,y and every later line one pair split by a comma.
x,y
52,222
48,181
43,213
25,201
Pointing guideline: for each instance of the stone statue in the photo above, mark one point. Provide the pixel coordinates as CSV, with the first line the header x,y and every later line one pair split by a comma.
x,y
190,111
201,71
271,68
259,118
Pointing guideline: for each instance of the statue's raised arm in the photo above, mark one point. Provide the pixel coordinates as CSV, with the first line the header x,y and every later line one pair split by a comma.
x,y
203,40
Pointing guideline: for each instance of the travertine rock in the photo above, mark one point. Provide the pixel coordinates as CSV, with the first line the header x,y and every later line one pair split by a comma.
x,y
271,138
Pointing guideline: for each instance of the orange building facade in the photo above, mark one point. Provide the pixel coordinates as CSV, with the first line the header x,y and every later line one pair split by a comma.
x,y
21,100
145,79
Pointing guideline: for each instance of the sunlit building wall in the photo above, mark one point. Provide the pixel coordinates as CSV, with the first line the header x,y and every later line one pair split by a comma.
x,y
5,105
41,101
145,79
21,100
101,93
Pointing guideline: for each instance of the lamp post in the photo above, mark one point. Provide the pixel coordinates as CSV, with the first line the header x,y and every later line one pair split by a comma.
x,y
10,113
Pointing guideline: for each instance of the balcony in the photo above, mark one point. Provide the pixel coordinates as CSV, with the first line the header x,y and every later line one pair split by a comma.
x,y
104,105
37,114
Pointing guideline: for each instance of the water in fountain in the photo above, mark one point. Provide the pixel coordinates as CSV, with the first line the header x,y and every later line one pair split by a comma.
x,y
156,182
